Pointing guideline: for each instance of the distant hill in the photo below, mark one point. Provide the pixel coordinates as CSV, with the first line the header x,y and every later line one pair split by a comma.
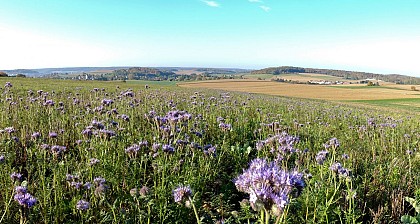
x,y
51,72
350,75
143,73
48,71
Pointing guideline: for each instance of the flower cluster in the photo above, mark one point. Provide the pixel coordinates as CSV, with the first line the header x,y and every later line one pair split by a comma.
x,y
283,143
23,197
74,182
321,157
225,126
268,185
177,116
82,205
16,176
340,170
332,143
182,193
8,85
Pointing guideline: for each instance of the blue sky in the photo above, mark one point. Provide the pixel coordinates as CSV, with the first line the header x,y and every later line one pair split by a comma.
x,y
364,35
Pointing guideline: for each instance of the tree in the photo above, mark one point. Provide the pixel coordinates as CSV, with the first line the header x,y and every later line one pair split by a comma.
x,y
3,74
21,76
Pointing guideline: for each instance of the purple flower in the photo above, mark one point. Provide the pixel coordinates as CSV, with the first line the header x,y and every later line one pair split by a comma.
x,y
321,157
177,116
107,102
156,146
14,138
45,146
52,135
340,170
106,133
9,130
128,94
23,198
15,176
82,205
335,167
168,148
334,143
57,149
49,103
20,190
182,193
225,127
2,159
345,156
125,117
8,85
98,125
87,132
36,135
99,181
210,150
87,185
268,185
132,150
93,161
70,177
76,185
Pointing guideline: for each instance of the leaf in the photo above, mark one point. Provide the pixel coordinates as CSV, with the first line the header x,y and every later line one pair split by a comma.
x,y
24,183
413,203
406,219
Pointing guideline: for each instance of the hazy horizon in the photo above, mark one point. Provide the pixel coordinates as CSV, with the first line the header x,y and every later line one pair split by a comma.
x,y
375,36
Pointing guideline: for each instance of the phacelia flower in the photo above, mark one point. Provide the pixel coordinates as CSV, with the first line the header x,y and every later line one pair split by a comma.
x,y
168,148
82,205
36,135
332,143
8,85
225,127
9,130
182,193
23,197
321,156
93,161
52,135
268,185
340,170
15,176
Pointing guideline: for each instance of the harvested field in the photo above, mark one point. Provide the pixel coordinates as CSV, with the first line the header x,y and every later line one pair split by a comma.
x,y
306,91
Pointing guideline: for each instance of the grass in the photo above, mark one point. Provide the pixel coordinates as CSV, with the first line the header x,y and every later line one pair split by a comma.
x,y
404,104
117,152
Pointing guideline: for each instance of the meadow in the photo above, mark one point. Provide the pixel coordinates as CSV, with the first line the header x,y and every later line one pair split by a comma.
x,y
152,152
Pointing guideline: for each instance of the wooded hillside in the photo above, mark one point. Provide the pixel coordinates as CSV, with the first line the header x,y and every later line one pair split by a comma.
x,y
351,75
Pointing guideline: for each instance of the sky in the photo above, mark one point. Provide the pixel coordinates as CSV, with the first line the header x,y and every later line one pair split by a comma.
x,y
381,36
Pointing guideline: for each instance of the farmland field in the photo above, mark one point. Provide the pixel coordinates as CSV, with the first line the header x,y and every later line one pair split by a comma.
x,y
117,152
342,93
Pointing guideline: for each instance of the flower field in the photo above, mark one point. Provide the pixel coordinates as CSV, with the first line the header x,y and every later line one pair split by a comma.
x,y
116,152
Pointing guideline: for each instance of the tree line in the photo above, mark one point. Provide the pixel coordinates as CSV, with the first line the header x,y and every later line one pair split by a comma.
x,y
350,75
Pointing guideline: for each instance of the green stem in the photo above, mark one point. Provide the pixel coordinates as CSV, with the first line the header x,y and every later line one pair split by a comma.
x,y
267,216
7,208
195,210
